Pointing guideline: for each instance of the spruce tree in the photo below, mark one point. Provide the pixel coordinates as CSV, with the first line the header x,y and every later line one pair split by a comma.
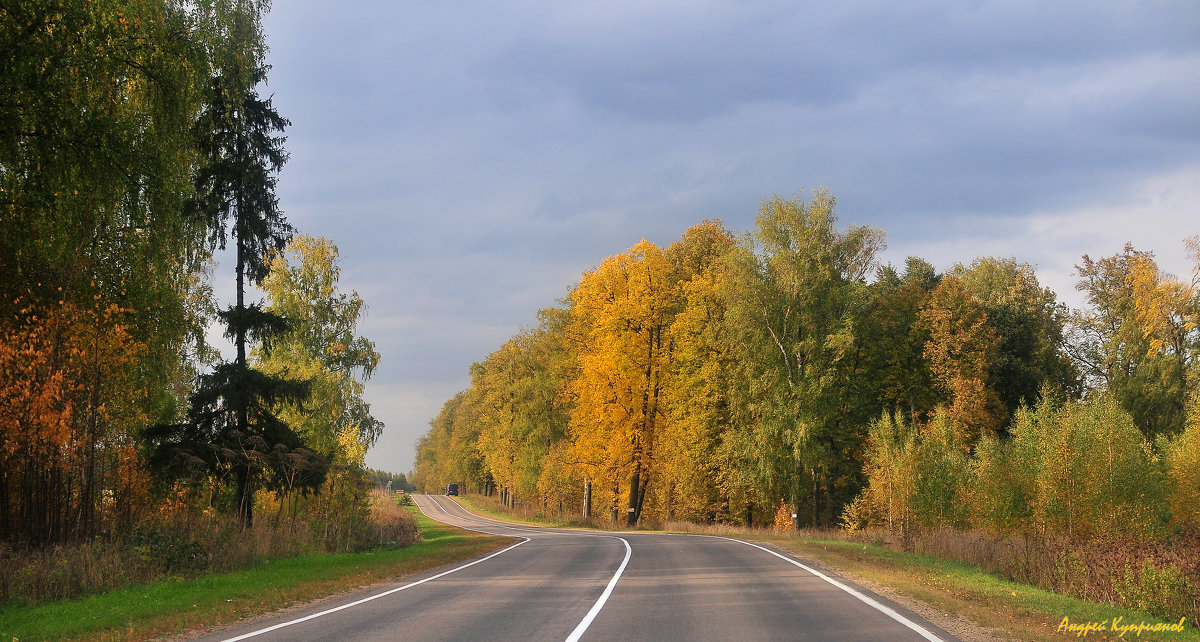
x,y
231,428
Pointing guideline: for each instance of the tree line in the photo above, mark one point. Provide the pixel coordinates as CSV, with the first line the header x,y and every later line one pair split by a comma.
x,y
134,143
787,371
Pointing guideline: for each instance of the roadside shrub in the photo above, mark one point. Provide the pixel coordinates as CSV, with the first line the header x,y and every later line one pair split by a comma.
x,y
164,554
783,522
391,524
1165,592
1182,456
1161,577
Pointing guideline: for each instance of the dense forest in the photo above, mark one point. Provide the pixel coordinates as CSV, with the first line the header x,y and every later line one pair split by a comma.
x,y
135,144
786,372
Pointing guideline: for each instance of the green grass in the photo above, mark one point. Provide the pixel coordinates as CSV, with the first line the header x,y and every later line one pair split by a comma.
x,y
172,606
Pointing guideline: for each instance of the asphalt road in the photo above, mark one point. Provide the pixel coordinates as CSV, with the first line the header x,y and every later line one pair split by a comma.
x,y
556,584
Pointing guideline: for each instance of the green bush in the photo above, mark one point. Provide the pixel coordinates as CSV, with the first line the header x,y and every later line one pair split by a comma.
x,y
1165,592
166,554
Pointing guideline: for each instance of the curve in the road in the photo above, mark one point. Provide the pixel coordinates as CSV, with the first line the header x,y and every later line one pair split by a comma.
x,y
555,584
582,627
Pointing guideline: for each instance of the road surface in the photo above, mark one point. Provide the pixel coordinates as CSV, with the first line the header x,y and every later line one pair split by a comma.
x,y
557,584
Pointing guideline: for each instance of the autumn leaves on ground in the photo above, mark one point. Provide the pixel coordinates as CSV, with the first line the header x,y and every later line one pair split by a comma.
x,y
786,378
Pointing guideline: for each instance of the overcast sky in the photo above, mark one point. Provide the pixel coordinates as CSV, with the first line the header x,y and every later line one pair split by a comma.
x,y
472,159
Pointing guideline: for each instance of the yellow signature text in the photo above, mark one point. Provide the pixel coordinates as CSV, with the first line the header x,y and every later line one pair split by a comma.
x,y
1117,625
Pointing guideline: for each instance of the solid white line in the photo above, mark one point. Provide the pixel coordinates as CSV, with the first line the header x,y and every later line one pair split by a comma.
x,y
591,615
866,599
374,597
612,583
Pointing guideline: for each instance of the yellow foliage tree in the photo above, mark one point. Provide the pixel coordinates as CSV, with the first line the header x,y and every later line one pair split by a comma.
x,y
620,316
960,350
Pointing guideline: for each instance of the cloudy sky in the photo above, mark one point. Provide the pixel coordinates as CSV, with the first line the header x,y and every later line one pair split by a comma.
x,y
472,159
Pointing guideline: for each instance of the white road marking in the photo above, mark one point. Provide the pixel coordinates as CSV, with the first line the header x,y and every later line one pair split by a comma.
x,y
866,599
491,523
612,583
377,596
591,615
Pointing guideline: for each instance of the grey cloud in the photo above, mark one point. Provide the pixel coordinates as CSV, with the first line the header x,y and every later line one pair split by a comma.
x,y
694,64
471,159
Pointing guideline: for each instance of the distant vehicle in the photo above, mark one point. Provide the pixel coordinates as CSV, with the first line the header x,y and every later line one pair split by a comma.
x,y
452,489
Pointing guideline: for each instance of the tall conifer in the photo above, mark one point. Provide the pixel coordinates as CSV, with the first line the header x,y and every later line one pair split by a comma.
x,y
232,428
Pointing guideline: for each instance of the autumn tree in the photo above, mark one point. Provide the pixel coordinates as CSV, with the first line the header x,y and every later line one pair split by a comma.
x,y
98,264
1030,328
447,453
1182,458
892,337
322,347
521,413
1133,339
961,350
64,421
697,385
791,288
620,316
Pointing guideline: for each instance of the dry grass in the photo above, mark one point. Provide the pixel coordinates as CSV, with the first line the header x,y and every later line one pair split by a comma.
x,y
1157,577
157,551
391,524
167,607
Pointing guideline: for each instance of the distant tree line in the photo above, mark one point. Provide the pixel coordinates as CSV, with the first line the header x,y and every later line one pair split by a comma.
x,y
787,372
134,143
381,478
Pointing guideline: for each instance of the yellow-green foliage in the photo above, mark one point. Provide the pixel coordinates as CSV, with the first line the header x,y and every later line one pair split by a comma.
x,y
891,473
1079,470
1183,471
1003,487
1096,473
943,474
914,476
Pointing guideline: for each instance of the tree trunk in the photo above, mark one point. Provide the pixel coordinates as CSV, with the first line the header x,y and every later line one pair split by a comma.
x,y
634,486
815,490
246,500
587,499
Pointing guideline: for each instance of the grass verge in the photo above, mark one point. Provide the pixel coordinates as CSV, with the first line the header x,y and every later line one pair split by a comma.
x,y
955,592
174,606
962,599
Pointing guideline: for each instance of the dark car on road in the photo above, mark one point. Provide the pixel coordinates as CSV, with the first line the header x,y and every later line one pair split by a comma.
x,y
452,489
